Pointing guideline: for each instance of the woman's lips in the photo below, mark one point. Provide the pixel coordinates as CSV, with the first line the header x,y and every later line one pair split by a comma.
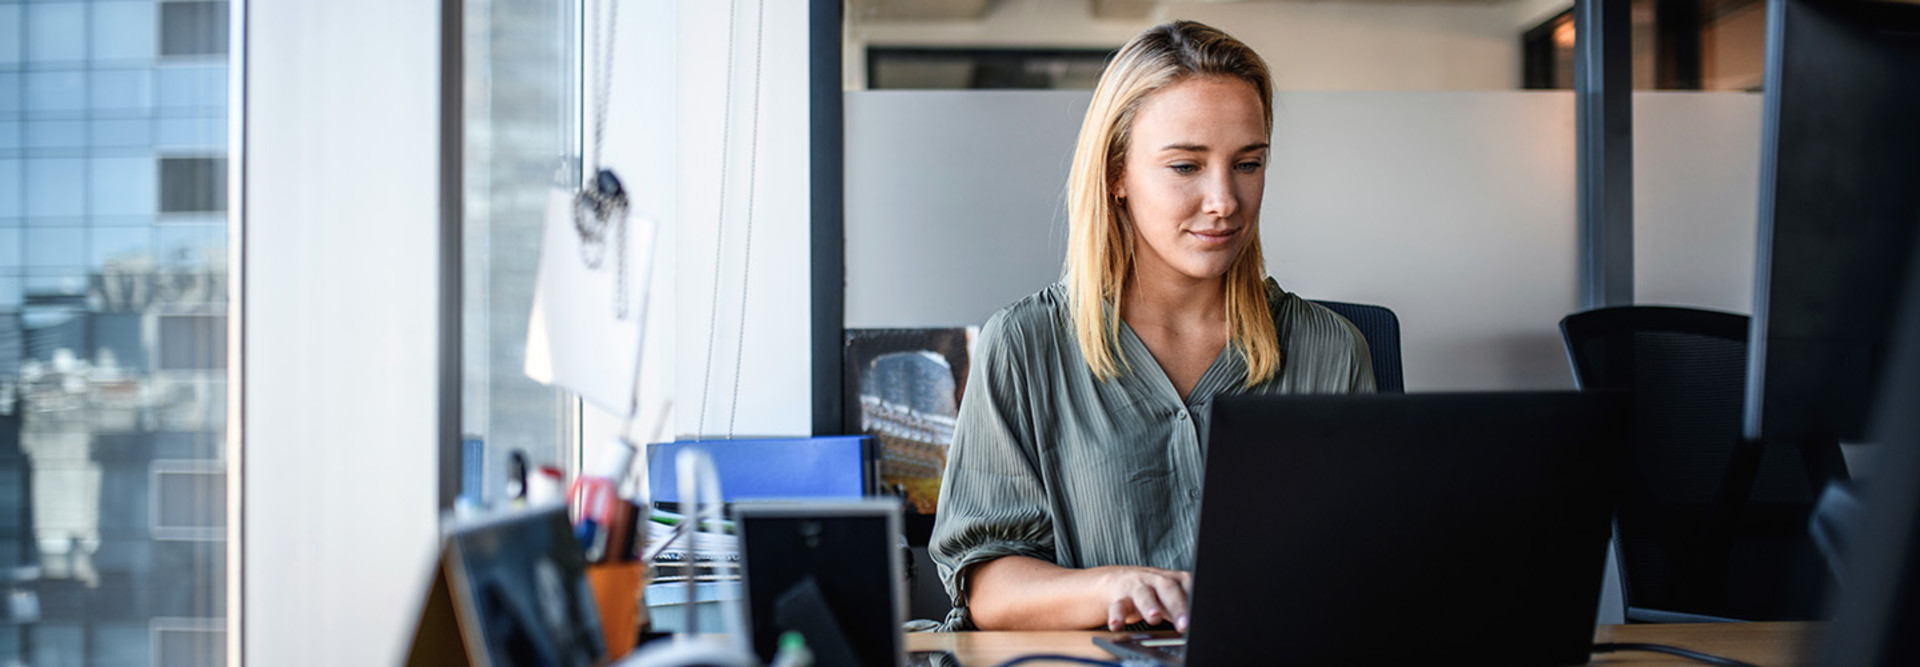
x,y
1213,236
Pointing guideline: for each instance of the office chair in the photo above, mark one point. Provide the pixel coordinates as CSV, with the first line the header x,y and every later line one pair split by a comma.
x,y
1382,330
1710,527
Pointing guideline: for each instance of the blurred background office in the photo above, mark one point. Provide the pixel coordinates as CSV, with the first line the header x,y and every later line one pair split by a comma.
x,y
178,442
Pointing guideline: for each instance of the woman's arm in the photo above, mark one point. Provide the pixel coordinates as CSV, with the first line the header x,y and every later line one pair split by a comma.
x,y
1022,593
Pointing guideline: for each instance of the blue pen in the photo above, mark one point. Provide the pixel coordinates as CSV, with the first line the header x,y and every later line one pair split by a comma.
x,y
586,532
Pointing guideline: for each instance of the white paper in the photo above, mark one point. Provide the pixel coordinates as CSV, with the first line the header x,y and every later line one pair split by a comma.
x,y
576,339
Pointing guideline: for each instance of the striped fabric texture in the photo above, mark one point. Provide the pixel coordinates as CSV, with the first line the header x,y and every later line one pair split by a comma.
x,y
1051,463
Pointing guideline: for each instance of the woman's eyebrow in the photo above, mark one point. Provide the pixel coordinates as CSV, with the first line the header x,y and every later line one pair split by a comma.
x,y
1190,148
1200,148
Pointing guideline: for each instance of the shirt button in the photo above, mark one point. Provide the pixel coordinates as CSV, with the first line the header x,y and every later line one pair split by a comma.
x,y
1182,415
1193,493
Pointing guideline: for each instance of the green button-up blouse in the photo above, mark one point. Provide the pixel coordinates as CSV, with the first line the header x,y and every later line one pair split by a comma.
x,y
1049,462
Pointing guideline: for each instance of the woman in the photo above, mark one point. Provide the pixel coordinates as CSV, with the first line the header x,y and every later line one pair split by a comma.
x,y
1072,487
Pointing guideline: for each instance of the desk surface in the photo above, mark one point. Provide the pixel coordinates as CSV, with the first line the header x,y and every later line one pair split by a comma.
x,y
1767,644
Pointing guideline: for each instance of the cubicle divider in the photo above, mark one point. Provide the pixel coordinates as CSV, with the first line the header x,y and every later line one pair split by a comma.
x,y
1455,209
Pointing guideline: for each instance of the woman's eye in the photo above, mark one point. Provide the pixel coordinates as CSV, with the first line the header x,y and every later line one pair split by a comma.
x,y
1184,168
1247,167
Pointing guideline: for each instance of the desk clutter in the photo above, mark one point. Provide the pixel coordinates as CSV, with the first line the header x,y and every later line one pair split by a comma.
x,y
585,581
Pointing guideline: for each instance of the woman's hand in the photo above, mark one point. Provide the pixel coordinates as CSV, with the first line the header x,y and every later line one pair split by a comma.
x,y
1021,593
1136,594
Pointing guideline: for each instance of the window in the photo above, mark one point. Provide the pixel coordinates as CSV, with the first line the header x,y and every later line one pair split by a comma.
x,y
113,366
193,28
193,184
522,85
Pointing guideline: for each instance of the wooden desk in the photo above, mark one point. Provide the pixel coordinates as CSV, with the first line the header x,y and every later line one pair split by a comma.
x,y
1767,644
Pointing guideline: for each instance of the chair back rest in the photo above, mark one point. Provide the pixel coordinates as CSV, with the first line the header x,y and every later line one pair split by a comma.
x,y
1709,525
1381,328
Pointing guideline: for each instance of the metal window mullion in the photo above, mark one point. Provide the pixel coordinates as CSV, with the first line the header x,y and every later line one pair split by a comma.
x,y
1603,99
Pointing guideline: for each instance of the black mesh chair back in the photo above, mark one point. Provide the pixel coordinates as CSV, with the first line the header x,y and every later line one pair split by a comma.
x,y
1709,527
1382,330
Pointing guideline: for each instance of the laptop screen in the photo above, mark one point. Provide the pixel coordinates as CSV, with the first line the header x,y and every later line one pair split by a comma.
x,y
524,580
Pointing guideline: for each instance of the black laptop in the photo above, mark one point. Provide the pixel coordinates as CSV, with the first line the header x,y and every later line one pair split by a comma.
x,y
1383,529
510,589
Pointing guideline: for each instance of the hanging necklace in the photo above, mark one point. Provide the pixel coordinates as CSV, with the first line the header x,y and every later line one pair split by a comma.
x,y
602,206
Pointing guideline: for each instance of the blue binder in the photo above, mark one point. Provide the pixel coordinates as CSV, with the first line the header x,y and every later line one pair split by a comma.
x,y
824,467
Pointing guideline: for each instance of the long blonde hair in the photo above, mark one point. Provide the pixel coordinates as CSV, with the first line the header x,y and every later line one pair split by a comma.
x,y
1100,248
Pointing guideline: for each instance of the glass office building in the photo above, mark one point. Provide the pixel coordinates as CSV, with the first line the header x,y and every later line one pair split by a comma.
x,y
113,320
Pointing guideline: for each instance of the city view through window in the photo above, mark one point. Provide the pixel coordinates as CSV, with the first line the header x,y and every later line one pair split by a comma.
x,y
113,320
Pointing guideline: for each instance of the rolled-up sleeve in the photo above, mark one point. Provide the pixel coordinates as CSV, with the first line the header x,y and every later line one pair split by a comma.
x,y
993,502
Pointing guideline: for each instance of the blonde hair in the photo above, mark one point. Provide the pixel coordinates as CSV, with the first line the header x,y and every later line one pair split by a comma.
x,y
1100,248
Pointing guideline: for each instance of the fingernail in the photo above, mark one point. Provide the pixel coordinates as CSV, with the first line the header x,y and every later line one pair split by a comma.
x,y
1181,623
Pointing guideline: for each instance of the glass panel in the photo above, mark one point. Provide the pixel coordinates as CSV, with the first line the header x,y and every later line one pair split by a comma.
x,y
11,205
125,186
122,645
10,93
58,645
192,184
56,32
10,299
117,249
56,248
521,83
193,28
10,247
10,35
122,30
189,247
10,137
56,134
56,92
112,340
123,133
53,187
184,342
120,89
191,86
1676,45
207,133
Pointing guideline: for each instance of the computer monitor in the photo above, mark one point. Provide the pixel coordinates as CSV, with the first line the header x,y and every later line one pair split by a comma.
x,y
1878,605
1838,208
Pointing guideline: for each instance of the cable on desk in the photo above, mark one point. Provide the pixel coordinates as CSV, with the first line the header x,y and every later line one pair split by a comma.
x,y
1673,651
1044,657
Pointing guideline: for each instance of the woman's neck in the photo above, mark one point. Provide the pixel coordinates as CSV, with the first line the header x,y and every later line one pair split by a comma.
x,y
1173,300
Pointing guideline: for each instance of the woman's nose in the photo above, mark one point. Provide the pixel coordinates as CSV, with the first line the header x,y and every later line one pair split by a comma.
x,y
1220,199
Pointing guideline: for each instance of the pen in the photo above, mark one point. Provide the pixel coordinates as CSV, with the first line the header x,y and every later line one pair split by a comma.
x,y
588,533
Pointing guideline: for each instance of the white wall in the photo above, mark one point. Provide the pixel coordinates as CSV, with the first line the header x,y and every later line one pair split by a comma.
x,y
1454,209
341,276
774,367
665,135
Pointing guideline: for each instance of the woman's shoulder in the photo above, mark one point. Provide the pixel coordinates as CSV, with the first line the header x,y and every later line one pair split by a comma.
x,y
1026,325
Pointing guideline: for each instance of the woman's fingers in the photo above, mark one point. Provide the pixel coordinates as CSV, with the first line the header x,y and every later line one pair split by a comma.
x,y
1121,613
1146,600
1173,600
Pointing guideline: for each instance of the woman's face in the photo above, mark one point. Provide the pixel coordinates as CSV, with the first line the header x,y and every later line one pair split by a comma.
x,y
1193,176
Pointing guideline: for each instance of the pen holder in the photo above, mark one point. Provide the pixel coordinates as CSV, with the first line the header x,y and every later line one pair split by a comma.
x,y
616,589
